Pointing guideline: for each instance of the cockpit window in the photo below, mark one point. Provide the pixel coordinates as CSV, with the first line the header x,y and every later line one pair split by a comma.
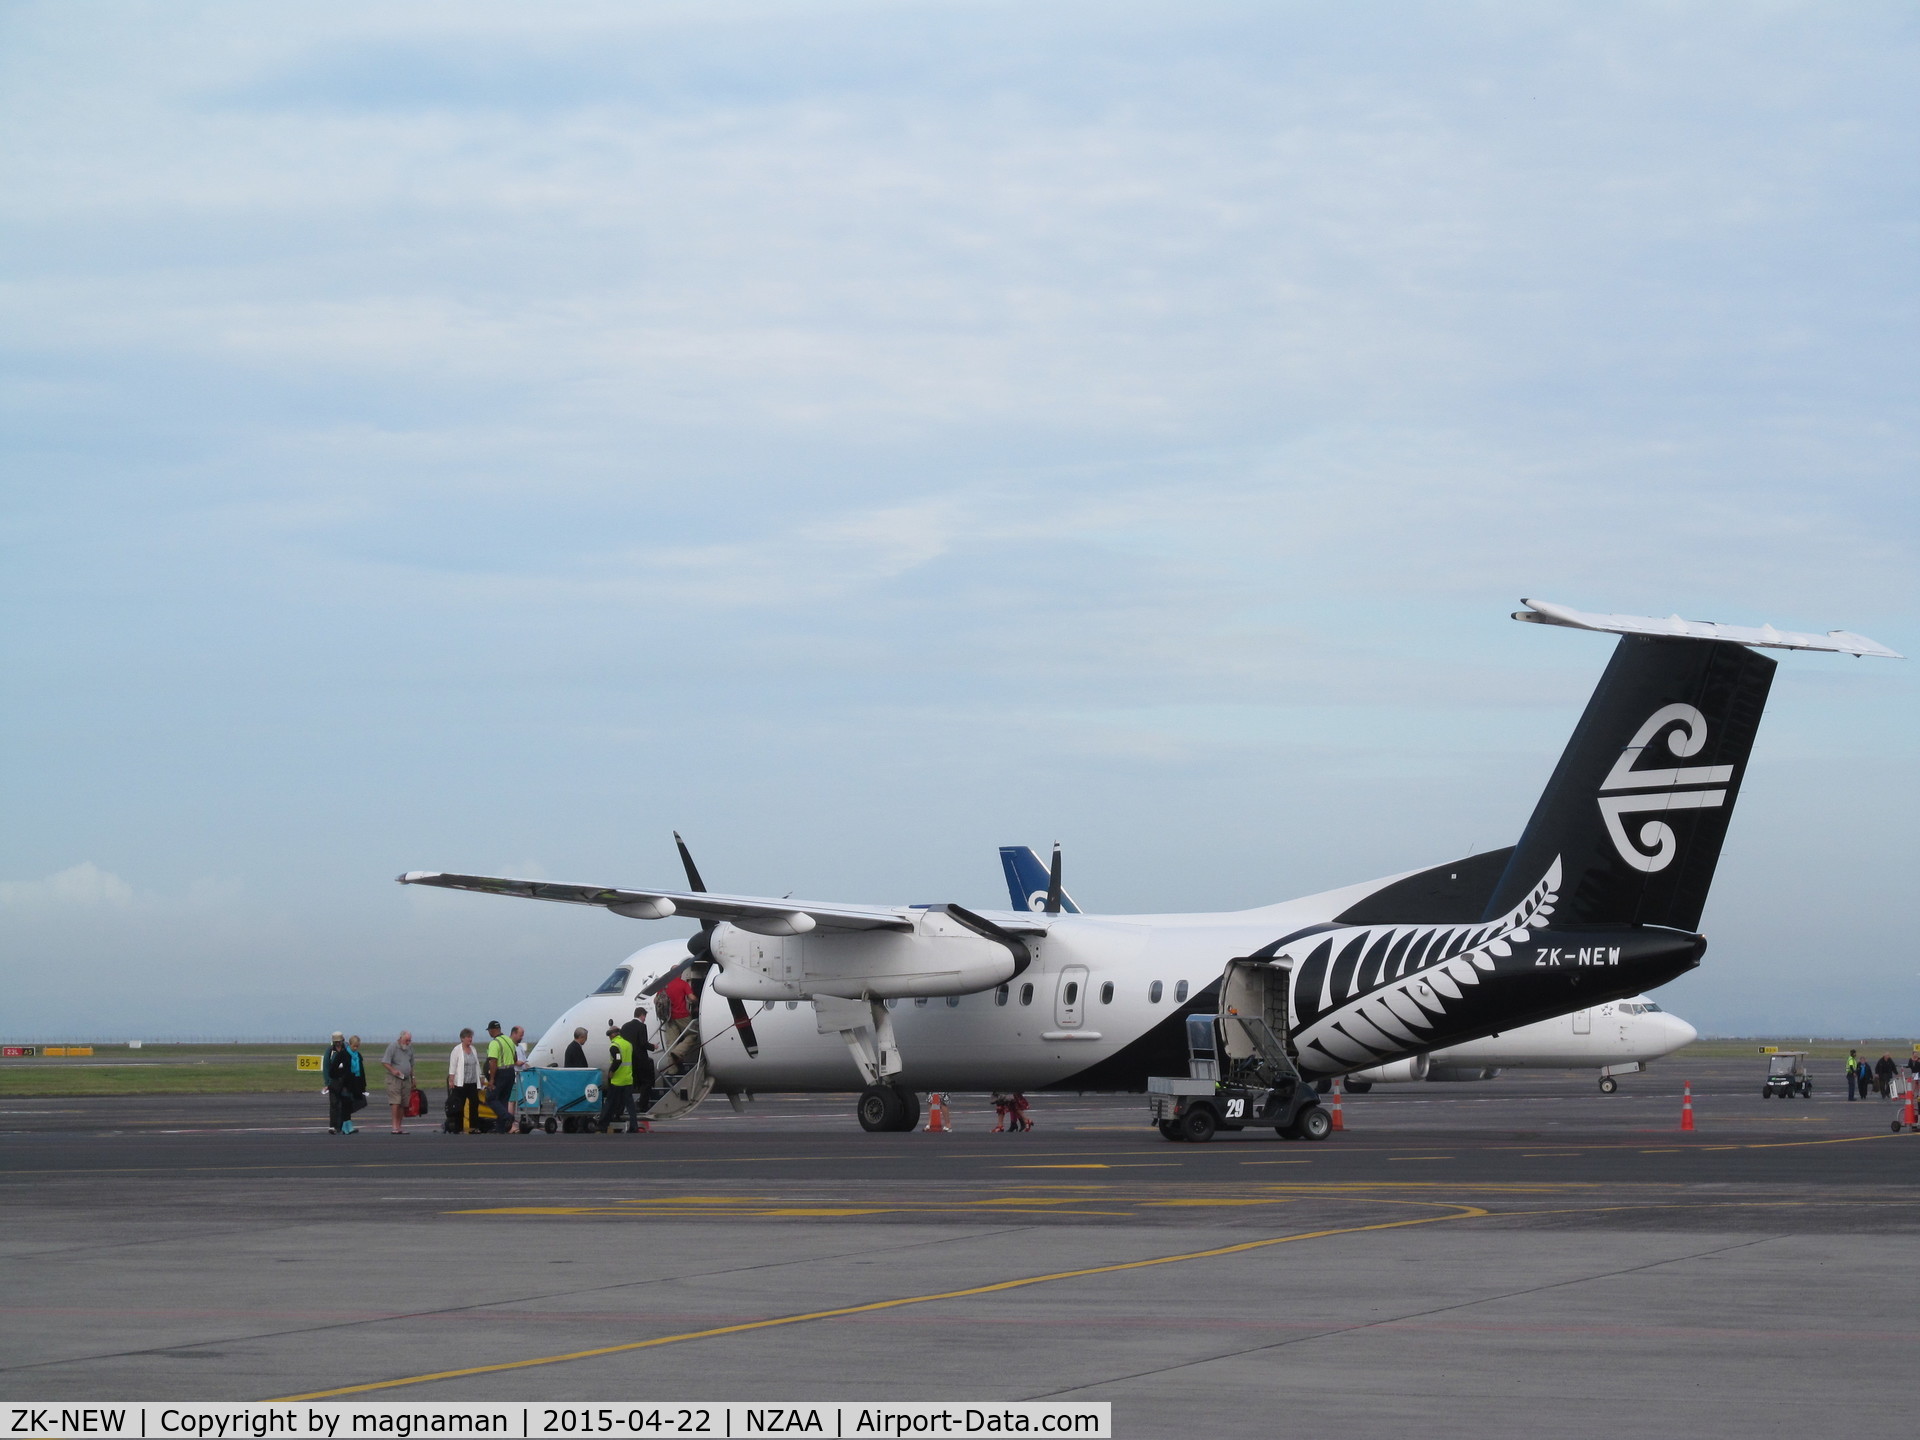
x,y
1650,1009
616,983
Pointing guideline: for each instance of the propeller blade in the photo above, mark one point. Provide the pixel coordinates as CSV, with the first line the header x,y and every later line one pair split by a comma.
x,y
745,1027
1053,882
694,882
986,929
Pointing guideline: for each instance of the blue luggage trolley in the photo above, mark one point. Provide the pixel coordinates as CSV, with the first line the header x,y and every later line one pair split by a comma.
x,y
558,1099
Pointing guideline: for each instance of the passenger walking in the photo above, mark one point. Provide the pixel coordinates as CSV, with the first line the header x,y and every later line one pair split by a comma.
x,y
1866,1079
500,1069
1883,1072
619,1084
577,1051
1002,1107
678,1025
1019,1106
336,1073
1853,1074
398,1063
635,1031
466,1068
357,1068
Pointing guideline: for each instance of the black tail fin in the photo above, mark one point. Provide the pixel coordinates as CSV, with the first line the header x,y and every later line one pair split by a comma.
x,y
1639,803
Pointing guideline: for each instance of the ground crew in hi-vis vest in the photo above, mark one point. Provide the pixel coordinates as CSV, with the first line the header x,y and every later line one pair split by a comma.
x,y
620,1086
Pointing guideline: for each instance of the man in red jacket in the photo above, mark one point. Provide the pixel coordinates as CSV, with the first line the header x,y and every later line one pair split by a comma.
x,y
678,1027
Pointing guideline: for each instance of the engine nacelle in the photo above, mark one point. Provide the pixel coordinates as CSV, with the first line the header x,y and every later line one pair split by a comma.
x,y
1463,1072
1400,1072
940,957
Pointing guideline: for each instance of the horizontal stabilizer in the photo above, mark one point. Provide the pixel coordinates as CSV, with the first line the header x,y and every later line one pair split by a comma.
x,y
1840,642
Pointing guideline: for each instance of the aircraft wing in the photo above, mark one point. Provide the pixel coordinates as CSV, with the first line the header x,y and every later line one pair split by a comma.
x,y
749,912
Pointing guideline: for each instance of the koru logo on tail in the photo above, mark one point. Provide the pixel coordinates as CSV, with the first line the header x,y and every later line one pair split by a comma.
x,y
1659,789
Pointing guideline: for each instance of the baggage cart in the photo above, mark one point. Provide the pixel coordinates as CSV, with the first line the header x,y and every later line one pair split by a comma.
x,y
557,1099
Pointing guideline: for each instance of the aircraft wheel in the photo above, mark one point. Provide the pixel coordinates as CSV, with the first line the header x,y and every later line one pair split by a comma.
x,y
909,1110
1357,1087
1322,1087
880,1108
1170,1130
1312,1123
1198,1124
1608,1085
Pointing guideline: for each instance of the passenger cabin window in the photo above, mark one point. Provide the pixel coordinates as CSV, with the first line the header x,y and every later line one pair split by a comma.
x,y
920,1001
1180,991
1153,993
1026,994
893,1003
793,1004
1072,994
616,983
953,1002
1000,996
1106,993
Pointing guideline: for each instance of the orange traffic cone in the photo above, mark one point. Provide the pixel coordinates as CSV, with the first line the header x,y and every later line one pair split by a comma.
x,y
1686,1108
1909,1117
938,1121
1339,1120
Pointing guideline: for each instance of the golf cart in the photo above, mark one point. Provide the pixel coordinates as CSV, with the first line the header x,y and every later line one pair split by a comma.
x,y
1787,1076
1238,1071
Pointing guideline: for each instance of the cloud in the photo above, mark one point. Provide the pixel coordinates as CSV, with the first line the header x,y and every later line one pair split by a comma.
x,y
82,886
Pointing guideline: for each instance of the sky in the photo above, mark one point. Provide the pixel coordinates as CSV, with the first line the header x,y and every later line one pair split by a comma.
x,y
490,437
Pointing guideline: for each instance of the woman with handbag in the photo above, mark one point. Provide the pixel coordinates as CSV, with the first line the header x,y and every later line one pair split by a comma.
x,y
357,1074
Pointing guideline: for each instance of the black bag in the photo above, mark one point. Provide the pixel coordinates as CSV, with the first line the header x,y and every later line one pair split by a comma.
x,y
452,1123
356,1101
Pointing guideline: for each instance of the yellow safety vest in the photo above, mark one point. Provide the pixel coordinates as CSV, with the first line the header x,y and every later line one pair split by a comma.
x,y
622,1073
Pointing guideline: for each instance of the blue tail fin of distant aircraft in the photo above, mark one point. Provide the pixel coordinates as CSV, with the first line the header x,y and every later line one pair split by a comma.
x,y
1027,880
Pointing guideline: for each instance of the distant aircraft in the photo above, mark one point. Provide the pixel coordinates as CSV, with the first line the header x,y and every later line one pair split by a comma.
x,y
1599,901
1619,1038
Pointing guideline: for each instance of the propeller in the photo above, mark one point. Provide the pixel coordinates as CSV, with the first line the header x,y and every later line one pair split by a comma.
x,y
981,926
1053,882
700,947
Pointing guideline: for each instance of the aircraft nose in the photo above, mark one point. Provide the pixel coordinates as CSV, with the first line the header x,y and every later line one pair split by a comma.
x,y
1679,1032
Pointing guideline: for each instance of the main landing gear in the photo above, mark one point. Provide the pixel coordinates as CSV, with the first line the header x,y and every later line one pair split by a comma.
x,y
888,1107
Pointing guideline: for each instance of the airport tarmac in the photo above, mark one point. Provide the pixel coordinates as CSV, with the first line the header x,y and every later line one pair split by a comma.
x,y
1474,1260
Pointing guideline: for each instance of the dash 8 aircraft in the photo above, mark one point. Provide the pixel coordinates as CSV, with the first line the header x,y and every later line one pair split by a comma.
x,y
1599,900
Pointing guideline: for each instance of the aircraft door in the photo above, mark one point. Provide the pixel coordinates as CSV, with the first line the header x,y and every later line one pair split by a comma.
x,y
1583,1022
1070,1000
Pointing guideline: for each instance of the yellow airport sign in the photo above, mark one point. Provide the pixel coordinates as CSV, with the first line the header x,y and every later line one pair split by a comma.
x,y
1769,1049
66,1050
306,1062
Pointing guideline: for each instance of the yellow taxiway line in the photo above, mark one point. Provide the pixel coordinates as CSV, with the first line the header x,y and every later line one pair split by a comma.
x,y
1462,1212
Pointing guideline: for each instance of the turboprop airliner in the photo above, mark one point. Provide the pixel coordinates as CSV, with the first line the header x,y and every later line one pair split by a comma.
x,y
1619,1038
1599,900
